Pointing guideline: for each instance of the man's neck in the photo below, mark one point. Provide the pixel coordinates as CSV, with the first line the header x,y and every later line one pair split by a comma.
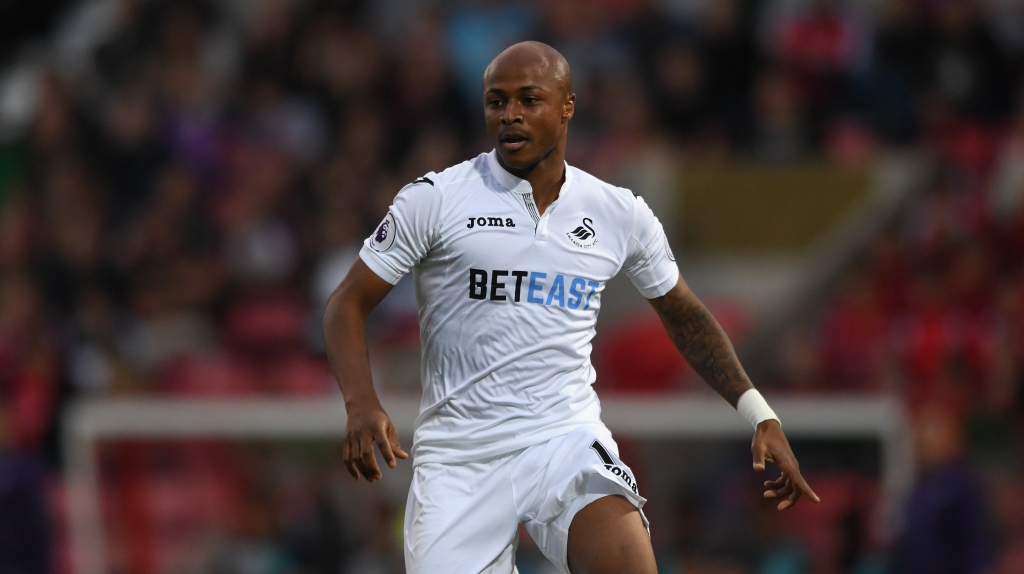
x,y
545,177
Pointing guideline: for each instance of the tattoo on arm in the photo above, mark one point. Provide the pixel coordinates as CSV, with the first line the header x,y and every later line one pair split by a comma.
x,y
703,343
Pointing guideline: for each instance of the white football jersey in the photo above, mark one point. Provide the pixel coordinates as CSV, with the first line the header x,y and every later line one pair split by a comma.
x,y
508,299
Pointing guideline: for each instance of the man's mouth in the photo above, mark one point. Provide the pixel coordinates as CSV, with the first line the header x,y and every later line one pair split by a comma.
x,y
513,141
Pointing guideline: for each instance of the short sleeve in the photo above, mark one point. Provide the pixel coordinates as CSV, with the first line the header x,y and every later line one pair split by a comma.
x,y
407,232
650,264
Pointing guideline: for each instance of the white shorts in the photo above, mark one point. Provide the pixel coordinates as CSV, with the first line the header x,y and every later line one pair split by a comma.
x,y
465,517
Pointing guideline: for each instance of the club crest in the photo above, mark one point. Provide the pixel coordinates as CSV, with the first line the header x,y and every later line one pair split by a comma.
x,y
584,235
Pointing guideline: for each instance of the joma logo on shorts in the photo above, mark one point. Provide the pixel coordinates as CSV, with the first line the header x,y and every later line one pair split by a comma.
x,y
490,222
614,468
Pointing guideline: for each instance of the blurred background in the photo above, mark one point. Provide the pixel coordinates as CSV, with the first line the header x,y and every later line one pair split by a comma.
x,y
184,182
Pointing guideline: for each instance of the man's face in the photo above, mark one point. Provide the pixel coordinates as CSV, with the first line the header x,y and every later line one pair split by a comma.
x,y
526,109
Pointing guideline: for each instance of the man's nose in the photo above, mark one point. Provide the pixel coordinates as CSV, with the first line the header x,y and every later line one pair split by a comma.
x,y
513,113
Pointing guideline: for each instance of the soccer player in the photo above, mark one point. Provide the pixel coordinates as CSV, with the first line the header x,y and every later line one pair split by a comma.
x,y
510,252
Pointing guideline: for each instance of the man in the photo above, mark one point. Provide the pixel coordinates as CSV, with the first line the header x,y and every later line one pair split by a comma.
x,y
511,251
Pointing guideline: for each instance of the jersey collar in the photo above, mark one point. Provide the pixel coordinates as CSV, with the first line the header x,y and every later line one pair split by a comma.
x,y
513,183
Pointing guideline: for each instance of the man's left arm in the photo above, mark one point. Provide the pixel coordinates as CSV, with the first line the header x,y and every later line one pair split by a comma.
x,y
706,347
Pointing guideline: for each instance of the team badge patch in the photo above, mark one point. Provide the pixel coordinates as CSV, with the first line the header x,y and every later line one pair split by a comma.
x,y
384,237
584,235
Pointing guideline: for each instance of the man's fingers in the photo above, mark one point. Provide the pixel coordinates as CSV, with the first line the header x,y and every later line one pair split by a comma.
x,y
357,454
781,491
791,500
806,489
758,449
774,447
367,460
803,488
778,488
380,436
396,446
799,483
348,458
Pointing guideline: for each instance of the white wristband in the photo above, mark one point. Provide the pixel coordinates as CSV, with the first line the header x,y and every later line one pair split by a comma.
x,y
753,407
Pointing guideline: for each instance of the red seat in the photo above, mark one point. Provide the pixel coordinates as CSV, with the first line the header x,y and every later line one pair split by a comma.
x,y
638,357
265,323
208,376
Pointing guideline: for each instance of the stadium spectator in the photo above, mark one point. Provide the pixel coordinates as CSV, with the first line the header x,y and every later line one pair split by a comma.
x,y
24,522
945,528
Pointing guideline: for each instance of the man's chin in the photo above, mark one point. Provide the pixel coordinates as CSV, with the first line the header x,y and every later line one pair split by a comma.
x,y
517,160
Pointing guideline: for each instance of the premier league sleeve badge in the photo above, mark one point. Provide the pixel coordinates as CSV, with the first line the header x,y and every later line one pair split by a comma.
x,y
384,237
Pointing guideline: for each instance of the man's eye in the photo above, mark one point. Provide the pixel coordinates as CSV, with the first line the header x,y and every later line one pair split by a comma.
x,y
494,103
530,100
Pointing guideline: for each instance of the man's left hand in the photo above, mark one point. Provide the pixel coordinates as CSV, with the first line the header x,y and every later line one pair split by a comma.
x,y
770,445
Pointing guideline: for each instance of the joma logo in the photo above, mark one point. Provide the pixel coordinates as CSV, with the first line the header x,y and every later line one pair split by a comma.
x,y
490,222
615,469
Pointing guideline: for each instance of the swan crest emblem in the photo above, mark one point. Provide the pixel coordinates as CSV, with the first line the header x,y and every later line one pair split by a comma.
x,y
584,235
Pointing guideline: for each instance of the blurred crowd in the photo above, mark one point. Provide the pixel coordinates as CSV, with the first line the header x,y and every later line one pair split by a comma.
x,y
933,311
196,178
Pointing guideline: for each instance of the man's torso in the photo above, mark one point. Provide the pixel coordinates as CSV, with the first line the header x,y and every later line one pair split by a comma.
x,y
508,301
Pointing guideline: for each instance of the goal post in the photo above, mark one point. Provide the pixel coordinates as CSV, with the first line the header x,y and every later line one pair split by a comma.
x,y
89,422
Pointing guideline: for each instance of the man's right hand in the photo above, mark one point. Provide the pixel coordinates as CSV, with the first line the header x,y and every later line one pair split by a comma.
x,y
368,425
345,340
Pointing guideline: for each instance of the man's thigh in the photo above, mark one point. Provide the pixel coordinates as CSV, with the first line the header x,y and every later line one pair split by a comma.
x,y
558,480
460,518
609,536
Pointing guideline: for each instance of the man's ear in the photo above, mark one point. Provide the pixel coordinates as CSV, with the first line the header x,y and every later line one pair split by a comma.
x,y
569,107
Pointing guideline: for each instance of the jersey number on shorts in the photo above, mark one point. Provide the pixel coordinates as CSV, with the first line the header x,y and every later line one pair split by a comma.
x,y
615,469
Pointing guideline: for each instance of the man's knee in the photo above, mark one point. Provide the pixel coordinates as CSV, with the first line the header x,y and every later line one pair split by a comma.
x,y
608,535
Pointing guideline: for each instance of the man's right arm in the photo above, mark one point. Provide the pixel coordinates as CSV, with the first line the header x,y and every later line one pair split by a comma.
x,y
344,331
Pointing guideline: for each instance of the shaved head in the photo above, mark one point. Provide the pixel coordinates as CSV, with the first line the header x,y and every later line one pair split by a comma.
x,y
528,102
533,54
